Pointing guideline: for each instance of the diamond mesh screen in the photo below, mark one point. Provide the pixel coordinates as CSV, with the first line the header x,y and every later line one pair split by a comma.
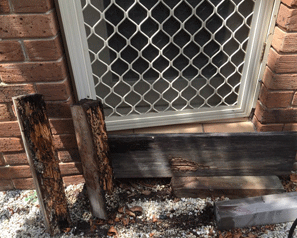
x,y
170,55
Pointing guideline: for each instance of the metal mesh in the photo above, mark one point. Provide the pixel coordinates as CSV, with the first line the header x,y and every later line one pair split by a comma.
x,y
170,55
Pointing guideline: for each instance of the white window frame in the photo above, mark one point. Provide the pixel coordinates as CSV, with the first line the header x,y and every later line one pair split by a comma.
x,y
262,26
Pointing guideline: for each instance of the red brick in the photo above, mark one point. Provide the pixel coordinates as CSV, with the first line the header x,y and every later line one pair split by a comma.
x,y
55,91
43,50
284,41
32,6
6,185
4,6
70,168
267,116
24,183
275,99
11,51
291,3
33,72
10,172
294,102
5,173
62,126
59,110
11,144
72,180
287,18
62,142
28,25
9,91
69,156
267,127
5,113
16,159
290,127
282,63
9,129
279,81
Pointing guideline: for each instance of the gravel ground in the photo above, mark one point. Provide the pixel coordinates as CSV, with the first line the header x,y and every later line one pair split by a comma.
x,y
137,208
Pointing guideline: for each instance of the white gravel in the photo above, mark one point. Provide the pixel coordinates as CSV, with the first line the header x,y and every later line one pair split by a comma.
x,y
20,216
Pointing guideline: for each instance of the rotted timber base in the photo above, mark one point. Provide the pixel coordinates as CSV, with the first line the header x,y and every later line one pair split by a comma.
x,y
227,186
202,155
201,164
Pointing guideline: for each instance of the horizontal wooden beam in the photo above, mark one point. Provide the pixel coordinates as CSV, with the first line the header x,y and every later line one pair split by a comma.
x,y
224,154
228,186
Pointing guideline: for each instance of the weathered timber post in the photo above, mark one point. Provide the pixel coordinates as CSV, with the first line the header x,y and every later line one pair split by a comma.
x,y
91,136
43,160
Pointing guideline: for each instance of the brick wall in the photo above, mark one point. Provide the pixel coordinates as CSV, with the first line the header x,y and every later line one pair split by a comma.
x,y
32,60
276,108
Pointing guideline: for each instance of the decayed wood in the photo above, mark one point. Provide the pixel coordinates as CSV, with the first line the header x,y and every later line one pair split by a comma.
x,y
88,119
43,160
96,121
228,186
89,162
167,155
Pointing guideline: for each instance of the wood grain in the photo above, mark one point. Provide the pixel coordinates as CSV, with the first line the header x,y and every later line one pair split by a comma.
x,y
91,136
43,160
224,154
228,186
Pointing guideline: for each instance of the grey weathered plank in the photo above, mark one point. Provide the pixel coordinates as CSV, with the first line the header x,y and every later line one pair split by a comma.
x,y
224,154
269,209
228,186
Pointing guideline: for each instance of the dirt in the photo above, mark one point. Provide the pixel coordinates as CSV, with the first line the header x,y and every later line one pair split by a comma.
x,y
145,189
136,208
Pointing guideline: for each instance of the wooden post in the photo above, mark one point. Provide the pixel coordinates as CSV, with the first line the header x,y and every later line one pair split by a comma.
x,y
91,136
44,164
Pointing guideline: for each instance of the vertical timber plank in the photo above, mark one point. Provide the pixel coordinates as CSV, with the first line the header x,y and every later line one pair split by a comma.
x,y
91,136
96,120
43,160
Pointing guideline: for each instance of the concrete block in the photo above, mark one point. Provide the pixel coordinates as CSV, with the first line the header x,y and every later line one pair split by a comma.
x,y
269,209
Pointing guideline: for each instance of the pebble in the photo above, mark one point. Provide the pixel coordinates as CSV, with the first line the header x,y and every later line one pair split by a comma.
x,y
20,215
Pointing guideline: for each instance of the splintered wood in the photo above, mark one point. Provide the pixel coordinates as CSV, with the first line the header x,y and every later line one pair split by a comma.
x,y
44,164
180,164
95,117
91,136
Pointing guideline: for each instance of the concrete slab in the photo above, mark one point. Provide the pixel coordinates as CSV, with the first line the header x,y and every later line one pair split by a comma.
x,y
228,186
269,209
181,128
230,127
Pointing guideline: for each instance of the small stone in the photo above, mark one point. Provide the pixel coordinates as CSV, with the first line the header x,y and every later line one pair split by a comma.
x,y
163,217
